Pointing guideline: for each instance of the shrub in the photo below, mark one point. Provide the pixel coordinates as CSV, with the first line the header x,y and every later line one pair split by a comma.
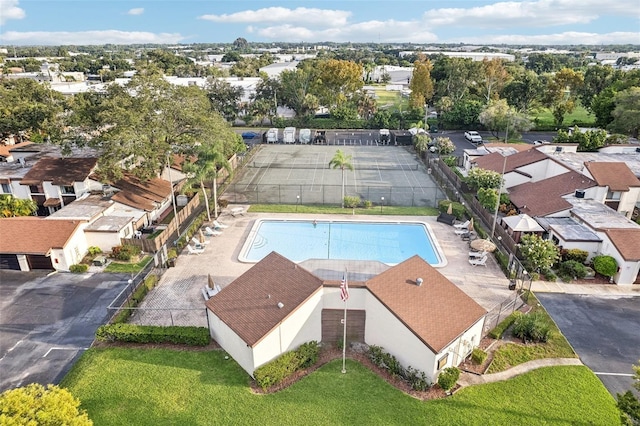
x,y
351,202
605,265
276,371
497,332
78,269
125,252
549,276
574,254
35,404
93,250
450,160
417,379
457,209
533,327
367,204
192,336
478,356
448,378
308,353
571,269
223,203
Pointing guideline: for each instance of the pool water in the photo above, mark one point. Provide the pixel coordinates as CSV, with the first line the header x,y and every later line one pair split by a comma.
x,y
387,242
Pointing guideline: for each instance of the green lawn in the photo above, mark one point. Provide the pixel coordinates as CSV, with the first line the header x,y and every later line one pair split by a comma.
x,y
120,386
128,267
580,115
320,209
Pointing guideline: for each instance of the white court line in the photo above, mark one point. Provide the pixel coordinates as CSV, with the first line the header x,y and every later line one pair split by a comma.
x,y
600,373
62,349
13,347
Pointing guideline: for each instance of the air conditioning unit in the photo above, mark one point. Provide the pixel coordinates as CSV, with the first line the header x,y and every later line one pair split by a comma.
x,y
558,149
579,193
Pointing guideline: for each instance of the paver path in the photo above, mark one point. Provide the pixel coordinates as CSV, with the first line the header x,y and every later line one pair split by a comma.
x,y
469,379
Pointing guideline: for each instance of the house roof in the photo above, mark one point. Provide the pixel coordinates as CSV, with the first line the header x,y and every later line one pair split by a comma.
x,y
626,242
617,176
496,161
34,235
60,171
5,150
249,305
141,194
545,197
436,312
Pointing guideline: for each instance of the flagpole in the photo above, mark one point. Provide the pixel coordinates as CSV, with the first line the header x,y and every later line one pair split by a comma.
x,y
344,322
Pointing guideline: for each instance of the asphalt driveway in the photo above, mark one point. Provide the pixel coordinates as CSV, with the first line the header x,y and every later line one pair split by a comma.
x,y
603,330
46,322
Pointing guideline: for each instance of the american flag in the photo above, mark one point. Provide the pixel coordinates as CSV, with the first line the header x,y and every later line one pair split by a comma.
x,y
344,288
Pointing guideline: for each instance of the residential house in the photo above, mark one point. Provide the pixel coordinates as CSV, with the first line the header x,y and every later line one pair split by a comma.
x,y
567,233
620,187
40,243
55,182
410,309
152,196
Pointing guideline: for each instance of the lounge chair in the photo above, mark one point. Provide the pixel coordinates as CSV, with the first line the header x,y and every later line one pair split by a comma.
x,y
198,243
218,225
237,211
210,232
462,231
477,253
463,225
482,261
195,250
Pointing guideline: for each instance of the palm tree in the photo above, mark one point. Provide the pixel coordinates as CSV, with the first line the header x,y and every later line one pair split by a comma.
x,y
11,206
205,166
342,161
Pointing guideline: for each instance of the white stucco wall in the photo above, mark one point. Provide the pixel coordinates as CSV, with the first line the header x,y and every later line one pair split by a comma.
x,y
461,347
230,342
385,330
302,326
72,253
628,201
106,240
627,270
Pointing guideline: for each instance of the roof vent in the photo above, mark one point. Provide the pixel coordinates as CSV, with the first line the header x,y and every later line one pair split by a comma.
x,y
558,149
579,193
280,305
419,281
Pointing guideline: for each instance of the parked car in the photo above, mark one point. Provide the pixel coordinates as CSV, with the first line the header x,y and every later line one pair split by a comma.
x,y
540,142
250,135
473,136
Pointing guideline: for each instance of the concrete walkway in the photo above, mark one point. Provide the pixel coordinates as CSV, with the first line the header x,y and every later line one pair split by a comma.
x,y
470,379
593,289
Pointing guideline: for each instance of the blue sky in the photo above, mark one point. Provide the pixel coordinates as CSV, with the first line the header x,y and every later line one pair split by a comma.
x,y
53,22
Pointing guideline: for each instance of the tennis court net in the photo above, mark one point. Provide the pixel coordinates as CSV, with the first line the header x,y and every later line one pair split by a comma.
x,y
378,165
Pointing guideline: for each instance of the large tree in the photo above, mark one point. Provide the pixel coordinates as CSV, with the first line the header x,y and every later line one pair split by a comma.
x,y
421,84
224,97
140,124
498,116
626,115
335,81
494,76
562,92
295,92
341,161
524,91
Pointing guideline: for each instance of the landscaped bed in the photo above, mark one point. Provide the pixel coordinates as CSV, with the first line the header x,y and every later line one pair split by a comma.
x,y
160,386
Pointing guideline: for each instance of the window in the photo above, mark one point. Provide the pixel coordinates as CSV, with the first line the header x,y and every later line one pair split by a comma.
x,y
6,188
613,195
67,190
35,189
442,362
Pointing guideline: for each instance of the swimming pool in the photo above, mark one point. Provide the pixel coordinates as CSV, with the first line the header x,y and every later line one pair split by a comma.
x,y
299,240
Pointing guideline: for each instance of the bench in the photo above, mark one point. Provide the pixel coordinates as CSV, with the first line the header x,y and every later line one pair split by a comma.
x,y
449,219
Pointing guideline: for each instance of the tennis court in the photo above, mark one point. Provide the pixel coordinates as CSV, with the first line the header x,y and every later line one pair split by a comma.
x,y
300,174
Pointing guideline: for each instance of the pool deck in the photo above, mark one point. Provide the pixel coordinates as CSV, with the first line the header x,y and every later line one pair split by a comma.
x,y
180,289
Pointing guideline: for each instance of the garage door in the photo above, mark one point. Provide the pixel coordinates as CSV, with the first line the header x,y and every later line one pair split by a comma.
x,y
38,261
9,261
333,328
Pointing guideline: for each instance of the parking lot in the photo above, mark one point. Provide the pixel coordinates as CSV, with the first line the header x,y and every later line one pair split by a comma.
x,y
47,321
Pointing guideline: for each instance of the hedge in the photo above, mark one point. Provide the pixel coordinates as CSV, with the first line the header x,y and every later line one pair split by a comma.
x,y
448,378
132,333
274,372
497,332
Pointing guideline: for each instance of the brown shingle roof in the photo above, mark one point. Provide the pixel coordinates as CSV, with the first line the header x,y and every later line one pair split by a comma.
x,y
141,194
436,312
34,235
627,241
495,160
249,305
544,197
617,176
60,171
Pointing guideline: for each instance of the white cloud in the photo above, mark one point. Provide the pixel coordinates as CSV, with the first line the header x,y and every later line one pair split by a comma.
x,y
566,38
310,16
542,13
136,11
9,10
88,37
